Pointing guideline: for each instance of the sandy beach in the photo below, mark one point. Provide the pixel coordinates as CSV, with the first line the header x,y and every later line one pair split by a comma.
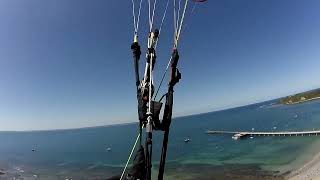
x,y
310,171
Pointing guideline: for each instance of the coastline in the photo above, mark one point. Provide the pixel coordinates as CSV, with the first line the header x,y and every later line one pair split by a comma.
x,y
310,170
302,101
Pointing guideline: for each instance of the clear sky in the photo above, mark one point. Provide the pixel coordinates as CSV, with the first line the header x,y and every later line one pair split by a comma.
x,y
67,64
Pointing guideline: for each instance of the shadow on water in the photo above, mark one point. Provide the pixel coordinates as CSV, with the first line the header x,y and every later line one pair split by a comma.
x,y
225,172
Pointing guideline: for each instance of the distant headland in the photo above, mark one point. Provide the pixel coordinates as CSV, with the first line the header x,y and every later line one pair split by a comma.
x,y
301,97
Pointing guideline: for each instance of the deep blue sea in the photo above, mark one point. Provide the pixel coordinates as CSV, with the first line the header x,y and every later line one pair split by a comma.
x,y
82,153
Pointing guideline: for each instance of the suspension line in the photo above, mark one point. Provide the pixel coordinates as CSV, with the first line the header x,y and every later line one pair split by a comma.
x,y
162,21
136,18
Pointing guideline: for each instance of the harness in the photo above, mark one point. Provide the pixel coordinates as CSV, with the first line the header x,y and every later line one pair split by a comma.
x,y
149,109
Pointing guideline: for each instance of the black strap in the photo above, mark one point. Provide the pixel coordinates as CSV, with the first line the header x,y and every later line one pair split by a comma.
x,y
167,115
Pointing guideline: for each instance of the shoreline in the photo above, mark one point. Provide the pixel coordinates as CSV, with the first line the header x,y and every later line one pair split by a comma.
x,y
173,171
302,101
309,171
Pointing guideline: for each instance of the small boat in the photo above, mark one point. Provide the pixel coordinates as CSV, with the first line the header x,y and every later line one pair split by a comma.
x,y
33,150
108,149
235,137
186,140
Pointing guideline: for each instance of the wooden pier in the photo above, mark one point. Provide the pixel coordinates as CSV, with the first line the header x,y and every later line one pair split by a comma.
x,y
238,135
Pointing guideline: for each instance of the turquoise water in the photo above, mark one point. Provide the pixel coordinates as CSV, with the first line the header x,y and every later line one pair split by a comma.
x,y
82,152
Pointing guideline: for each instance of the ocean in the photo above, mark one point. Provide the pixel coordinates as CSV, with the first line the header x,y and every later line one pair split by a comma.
x,y
83,154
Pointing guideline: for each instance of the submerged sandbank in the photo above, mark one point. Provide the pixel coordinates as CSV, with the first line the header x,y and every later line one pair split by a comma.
x,y
221,172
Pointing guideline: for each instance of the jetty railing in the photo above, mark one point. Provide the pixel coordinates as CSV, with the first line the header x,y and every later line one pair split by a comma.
x,y
241,134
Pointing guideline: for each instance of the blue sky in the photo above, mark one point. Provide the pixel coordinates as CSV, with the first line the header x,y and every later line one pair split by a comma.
x,y
67,64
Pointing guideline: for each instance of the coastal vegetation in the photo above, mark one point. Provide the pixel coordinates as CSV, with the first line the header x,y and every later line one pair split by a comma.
x,y
301,97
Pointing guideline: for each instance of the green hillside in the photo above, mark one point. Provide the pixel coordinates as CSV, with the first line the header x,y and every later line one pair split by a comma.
x,y
302,97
